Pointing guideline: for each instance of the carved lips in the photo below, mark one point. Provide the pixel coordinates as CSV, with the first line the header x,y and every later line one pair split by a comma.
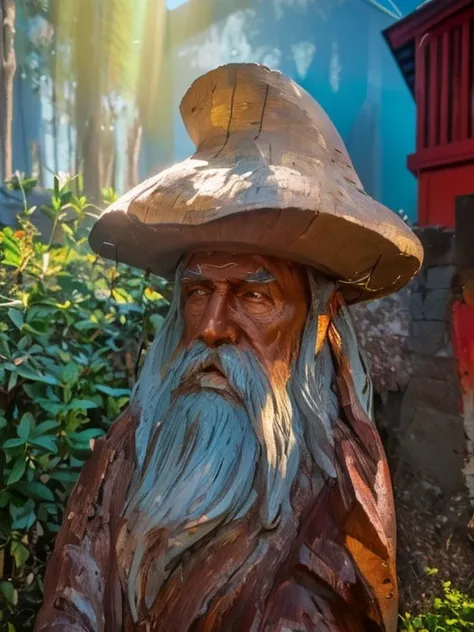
x,y
212,377
208,375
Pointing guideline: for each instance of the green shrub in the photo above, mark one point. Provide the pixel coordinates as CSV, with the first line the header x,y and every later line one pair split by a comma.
x,y
453,612
71,326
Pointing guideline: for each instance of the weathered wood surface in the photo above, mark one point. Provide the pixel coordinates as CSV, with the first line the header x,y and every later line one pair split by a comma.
x,y
270,173
329,567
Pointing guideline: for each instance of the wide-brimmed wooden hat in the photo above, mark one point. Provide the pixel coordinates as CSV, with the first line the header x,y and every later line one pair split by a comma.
x,y
270,175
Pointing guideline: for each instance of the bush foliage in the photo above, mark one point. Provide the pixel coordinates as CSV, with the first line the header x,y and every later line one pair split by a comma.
x,y
453,612
71,329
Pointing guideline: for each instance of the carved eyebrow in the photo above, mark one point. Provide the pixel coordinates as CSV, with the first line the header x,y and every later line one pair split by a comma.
x,y
193,275
260,276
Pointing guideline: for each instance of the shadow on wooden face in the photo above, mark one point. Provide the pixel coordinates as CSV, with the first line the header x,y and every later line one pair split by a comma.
x,y
250,301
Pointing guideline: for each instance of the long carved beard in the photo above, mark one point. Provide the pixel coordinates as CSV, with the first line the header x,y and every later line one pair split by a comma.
x,y
204,458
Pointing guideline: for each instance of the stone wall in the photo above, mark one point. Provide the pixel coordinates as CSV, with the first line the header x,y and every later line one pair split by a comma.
x,y
420,345
407,339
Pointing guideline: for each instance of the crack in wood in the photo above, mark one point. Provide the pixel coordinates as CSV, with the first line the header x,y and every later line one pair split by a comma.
x,y
231,113
263,112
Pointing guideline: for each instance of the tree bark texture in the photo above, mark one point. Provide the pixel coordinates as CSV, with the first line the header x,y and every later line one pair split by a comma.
x,y
7,74
134,141
88,105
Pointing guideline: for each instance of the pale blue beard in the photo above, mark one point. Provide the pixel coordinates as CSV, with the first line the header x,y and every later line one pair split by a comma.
x,y
197,457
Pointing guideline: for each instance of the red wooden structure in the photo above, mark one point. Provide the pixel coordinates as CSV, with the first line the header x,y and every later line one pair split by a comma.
x,y
434,47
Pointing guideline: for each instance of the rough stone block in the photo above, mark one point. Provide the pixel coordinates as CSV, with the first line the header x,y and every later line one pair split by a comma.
x,y
437,368
436,305
382,329
440,277
427,336
418,282
416,305
438,245
427,393
446,351
434,445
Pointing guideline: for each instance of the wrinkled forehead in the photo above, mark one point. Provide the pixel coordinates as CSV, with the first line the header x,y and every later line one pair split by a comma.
x,y
217,266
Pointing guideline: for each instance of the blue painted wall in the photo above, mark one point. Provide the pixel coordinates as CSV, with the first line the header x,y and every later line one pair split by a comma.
x,y
335,50
332,48
26,126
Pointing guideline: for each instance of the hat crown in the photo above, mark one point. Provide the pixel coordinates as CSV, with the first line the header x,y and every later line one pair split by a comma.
x,y
271,175
249,104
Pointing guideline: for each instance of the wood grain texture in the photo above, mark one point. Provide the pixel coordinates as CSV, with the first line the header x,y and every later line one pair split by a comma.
x,y
270,174
328,565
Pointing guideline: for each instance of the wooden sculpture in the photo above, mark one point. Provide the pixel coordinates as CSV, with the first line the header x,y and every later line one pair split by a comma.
x,y
246,487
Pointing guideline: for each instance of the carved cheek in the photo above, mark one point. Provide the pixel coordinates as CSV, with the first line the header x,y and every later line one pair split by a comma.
x,y
193,314
273,335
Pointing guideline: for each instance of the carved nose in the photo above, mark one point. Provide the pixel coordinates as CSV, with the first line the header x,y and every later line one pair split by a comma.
x,y
218,333
217,328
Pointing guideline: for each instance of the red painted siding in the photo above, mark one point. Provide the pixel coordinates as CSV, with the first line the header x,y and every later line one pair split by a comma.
x,y
444,91
438,189
434,47
444,72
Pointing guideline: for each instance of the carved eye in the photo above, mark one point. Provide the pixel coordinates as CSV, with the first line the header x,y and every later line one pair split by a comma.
x,y
198,291
254,296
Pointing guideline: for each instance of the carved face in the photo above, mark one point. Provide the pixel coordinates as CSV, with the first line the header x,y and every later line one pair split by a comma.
x,y
256,303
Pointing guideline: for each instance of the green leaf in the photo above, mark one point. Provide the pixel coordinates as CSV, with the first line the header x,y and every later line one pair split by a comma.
x,y
25,426
13,443
52,408
29,374
157,321
81,404
9,592
45,426
24,343
66,197
113,392
46,442
122,401
36,327
16,317
18,470
10,243
64,476
35,490
64,356
113,409
70,374
12,381
56,188
85,325
23,517
86,435
4,348
5,499
19,552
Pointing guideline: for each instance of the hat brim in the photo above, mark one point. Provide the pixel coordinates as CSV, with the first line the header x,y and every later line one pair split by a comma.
x,y
360,243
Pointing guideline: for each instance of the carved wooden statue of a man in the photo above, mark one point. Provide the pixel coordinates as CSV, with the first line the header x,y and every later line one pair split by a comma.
x,y
246,488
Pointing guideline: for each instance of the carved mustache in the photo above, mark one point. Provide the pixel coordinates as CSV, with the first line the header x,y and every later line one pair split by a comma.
x,y
201,367
206,365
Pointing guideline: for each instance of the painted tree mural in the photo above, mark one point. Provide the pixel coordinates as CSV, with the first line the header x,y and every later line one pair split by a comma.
x,y
7,73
